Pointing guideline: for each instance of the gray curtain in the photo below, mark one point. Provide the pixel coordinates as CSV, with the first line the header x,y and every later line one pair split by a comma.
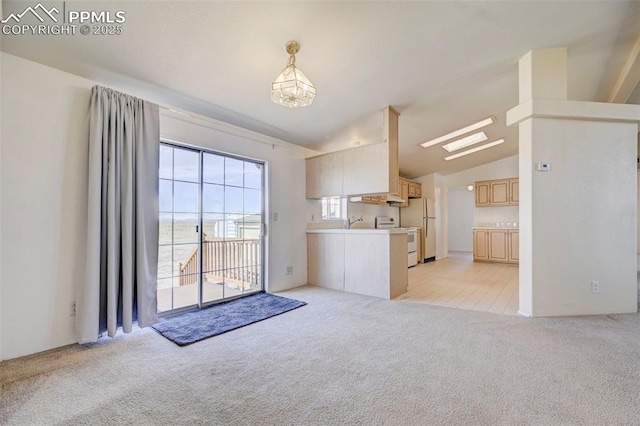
x,y
122,229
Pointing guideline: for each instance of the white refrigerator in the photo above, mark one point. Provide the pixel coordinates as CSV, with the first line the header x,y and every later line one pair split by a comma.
x,y
421,213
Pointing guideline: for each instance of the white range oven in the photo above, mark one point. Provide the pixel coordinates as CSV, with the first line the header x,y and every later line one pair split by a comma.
x,y
412,246
383,222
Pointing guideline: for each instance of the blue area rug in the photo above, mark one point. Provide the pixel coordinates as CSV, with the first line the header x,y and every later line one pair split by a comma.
x,y
193,326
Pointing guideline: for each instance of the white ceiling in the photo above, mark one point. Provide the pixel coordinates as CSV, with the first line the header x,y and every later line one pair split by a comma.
x,y
442,65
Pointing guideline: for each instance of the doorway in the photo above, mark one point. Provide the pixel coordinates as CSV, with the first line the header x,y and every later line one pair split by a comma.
x,y
460,219
211,241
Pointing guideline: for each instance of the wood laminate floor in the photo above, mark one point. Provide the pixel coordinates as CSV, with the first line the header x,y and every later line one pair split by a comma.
x,y
459,282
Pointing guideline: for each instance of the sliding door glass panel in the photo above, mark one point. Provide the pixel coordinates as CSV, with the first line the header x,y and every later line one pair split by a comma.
x,y
186,165
233,172
178,251
213,169
232,225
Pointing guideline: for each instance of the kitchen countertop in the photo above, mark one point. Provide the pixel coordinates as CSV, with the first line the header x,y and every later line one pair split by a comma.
x,y
358,231
497,227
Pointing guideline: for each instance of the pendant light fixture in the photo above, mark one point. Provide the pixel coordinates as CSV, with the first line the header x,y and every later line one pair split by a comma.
x,y
292,88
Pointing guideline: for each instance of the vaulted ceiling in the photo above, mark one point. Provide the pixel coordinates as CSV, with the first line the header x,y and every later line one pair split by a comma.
x,y
442,65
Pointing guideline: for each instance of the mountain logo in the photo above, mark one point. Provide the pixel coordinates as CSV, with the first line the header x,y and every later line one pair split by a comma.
x,y
34,11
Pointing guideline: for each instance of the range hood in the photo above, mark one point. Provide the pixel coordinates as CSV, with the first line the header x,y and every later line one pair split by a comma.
x,y
394,200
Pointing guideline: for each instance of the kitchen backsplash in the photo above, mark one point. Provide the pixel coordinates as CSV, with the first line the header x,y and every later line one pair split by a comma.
x,y
367,211
494,216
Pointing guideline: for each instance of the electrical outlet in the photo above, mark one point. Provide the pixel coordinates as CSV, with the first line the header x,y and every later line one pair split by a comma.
x,y
313,217
595,287
72,309
289,270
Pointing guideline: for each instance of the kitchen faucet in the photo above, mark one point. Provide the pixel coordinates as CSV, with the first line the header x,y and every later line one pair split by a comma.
x,y
351,221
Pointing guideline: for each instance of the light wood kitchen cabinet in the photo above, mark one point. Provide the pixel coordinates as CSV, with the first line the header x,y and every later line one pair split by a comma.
x,y
514,245
415,190
480,245
406,189
499,192
404,192
514,191
374,199
482,194
364,170
496,193
324,175
496,245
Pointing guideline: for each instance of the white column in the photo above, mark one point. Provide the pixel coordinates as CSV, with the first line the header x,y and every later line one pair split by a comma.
x,y
578,220
543,74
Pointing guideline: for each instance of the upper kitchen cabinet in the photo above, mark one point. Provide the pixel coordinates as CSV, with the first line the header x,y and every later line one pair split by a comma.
x,y
495,193
406,189
514,190
403,190
499,190
482,194
324,175
364,170
415,189
368,169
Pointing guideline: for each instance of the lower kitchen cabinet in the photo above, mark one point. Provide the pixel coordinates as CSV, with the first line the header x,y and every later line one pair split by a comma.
x,y
514,245
480,245
496,245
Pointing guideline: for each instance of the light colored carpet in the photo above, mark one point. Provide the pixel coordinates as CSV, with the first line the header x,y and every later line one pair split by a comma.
x,y
343,359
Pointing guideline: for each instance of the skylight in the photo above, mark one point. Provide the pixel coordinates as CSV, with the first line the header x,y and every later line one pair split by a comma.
x,y
466,141
476,149
470,128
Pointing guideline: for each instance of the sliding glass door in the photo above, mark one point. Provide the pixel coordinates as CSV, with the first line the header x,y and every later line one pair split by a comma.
x,y
211,222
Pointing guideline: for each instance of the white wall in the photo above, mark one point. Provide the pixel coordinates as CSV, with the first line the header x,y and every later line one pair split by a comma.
x,y
43,201
583,224
504,168
461,204
43,190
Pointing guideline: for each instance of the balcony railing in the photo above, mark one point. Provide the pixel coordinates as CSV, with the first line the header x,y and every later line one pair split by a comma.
x,y
234,261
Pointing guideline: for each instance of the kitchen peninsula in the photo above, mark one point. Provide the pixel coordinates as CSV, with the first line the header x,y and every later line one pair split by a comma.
x,y
366,261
